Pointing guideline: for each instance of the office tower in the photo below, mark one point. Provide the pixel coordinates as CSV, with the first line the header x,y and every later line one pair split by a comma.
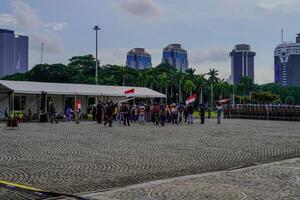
x,y
287,63
138,58
242,62
13,53
176,56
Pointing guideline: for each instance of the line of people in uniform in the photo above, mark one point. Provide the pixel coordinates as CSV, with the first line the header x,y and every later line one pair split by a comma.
x,y
260,111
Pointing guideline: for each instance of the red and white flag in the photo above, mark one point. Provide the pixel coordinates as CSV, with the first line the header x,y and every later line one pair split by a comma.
x,y
190,99
129,93
78,105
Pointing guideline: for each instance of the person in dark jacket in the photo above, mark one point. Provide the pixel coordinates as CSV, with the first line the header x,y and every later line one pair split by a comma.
x,y
126,112
190,111
94,112
202,113
109,114
99,112
52,112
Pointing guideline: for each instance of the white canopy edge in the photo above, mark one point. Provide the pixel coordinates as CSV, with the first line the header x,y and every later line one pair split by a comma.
x,y
25,87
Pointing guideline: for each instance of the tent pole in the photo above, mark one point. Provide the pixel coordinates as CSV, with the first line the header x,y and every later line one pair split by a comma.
x,y
13,104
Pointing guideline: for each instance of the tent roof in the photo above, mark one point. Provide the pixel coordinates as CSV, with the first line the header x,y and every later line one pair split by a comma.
x,y
25,87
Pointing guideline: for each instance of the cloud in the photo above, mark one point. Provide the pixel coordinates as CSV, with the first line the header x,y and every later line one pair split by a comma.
x,y
52,42
24,14
7,20
55,26
284,5
141,8
208,55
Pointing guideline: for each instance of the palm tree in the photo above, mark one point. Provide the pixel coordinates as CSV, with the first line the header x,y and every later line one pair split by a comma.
x,y
180,77
124,73
163,82
200,82
189,87
213,78
141,79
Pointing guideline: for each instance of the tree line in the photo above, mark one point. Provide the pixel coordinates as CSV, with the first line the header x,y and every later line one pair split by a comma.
x,y
176,84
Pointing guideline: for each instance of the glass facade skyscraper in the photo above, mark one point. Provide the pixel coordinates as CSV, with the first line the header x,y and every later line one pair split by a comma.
x,y
287,63
13,53
138,58
176,56
242,62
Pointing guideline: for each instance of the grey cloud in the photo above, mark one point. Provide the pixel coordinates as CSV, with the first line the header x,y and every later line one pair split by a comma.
x,y
55,26
52,42
208,55
283,5
7,20
24,14
142,8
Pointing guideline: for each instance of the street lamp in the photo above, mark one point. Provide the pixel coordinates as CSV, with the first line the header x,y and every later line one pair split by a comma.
x,y
96,28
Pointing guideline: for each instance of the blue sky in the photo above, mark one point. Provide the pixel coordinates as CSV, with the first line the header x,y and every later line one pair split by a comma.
x,y
207,29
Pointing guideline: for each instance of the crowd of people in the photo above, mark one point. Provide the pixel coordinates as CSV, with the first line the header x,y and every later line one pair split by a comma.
x,y
126,113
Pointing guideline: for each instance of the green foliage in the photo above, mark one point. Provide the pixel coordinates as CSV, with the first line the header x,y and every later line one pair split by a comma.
x,y
263,97
289,100
163,78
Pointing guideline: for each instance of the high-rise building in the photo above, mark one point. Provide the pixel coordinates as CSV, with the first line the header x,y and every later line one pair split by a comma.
x,y
287,63
242,62
176,56
13,53
138,58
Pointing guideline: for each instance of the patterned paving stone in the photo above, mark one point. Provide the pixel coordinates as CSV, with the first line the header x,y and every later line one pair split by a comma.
x,y
88,157
273,181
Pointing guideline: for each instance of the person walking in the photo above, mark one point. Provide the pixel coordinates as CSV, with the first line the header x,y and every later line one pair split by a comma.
x,y
202,113
190,110
142,110
162,115
99,112
180,112
219,112
156,114
185,112
174,113
126,112
68,113
52,112
94,112
109,114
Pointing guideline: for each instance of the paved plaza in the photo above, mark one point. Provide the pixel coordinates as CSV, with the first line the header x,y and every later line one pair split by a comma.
x,y
88,157
274,181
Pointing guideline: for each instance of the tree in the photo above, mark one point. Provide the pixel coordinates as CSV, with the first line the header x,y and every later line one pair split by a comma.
x,y
289,100
213,78
164,81
189,87
124,73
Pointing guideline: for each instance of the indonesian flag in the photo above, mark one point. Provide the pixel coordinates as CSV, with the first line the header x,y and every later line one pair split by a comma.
x,y
129,93
78,105
190,99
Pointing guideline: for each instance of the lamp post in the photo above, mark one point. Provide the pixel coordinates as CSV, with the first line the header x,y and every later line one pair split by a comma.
x,y
96,28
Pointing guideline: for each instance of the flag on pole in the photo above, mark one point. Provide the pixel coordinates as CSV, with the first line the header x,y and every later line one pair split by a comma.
x,y
129,93
78,105
191,99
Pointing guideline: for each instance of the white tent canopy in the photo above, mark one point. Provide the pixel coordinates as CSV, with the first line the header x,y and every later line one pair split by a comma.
x,y
25,87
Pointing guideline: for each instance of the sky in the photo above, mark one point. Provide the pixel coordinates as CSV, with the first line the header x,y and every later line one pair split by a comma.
x,y
207,29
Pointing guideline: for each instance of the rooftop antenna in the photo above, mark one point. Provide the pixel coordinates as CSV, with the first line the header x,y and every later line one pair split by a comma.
x,y
42,52
281,35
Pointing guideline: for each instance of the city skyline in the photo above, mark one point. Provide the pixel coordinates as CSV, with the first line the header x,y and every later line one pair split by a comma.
x,y
207,31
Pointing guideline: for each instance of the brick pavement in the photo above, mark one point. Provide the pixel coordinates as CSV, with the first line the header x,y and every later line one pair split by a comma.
x,y
274,181
88,157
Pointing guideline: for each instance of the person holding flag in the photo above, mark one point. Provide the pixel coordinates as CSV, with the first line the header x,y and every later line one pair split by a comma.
x,y
190,109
